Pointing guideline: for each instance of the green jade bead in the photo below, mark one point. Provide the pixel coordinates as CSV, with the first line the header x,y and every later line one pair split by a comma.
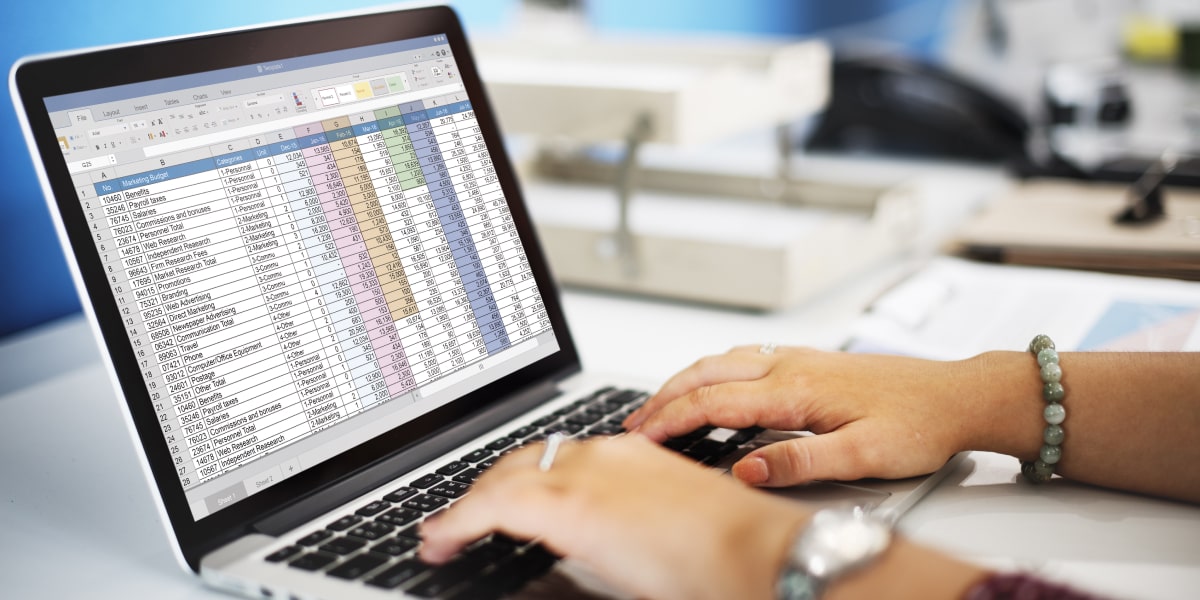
x,y
1053,392
1053,435
1054,414
1037,471
1047,356
1051,373
1043,469
1050,454
1039,343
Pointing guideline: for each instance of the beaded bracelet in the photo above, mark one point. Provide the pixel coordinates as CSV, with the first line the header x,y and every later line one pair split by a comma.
x,y
1040,470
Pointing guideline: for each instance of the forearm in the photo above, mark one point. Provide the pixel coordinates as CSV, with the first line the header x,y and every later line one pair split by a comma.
x,y
1131,418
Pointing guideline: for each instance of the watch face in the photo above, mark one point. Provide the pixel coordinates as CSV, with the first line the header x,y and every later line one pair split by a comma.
x,y
837,541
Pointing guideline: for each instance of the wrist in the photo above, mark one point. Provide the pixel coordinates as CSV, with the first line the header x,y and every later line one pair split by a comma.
x,y
763,545
1004,409
908,571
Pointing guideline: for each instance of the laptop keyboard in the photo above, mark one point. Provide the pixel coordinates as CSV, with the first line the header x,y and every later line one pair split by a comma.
x,y
377,543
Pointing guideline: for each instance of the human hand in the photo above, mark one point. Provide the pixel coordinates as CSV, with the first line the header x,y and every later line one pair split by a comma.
x,y
641,517
875,415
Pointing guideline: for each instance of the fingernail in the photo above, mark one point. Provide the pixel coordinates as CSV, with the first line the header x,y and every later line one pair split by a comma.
x,y
752,470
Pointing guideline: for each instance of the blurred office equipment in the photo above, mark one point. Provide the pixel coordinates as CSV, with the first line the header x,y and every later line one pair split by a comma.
x,y
663,165
1105,84
894,104
1063,223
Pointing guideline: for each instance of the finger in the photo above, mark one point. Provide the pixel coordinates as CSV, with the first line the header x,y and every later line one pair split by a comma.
x,y
839,455
734,405
518,505
710,370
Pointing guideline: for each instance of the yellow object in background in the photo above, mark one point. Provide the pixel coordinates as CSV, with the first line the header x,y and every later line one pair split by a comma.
x,y
1150,39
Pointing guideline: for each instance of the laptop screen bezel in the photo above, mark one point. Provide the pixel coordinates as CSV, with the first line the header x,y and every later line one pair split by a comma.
x,y
37,79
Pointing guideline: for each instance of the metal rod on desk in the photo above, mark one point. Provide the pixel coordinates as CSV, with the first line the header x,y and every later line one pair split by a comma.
x,y
626,180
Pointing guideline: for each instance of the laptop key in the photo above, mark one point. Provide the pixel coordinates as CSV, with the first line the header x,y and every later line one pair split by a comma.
x,y
501,539
373,508
358,566
284,553
625,396
677,444
476,589
565,428
345,523
523,432
584,418
444,578
343,545
469,476
315,537
745,435
513,573
726,449
703,448
497,583
500,444
476,456
400,495
395,575
427,481
400,516
412,533
606,429
313,561
372,530
544,421
452,467
425,503
697,433
537,560
395,546
492,551
450,489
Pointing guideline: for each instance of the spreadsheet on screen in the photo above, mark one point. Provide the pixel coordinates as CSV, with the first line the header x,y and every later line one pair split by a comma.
x,y
304,253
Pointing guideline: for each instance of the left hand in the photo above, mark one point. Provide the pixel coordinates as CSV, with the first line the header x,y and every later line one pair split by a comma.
x,y
874,415
641,517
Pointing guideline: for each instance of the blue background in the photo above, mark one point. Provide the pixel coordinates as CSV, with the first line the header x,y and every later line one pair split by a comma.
x,y
35,285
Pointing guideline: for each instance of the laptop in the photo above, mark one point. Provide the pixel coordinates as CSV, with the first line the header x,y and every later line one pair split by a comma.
x,y
320,298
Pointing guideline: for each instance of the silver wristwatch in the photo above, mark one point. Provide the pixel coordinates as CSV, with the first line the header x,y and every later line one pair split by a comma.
x,y
836,542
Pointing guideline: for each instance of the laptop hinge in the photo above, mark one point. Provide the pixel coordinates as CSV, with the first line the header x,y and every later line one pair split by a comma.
x,y
411,457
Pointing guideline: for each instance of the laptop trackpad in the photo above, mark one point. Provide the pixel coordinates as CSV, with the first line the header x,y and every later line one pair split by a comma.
x,y
825,494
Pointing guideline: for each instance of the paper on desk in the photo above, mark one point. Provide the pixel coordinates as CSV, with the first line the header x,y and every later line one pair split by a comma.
x,y
954,308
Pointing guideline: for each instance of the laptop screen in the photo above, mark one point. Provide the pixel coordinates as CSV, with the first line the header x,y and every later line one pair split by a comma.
x,y
304,253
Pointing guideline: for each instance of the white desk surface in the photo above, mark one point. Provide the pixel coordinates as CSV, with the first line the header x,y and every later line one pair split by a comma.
x,y
78,520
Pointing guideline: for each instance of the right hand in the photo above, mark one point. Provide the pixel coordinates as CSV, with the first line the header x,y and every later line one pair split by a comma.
x,y
642,518
874,415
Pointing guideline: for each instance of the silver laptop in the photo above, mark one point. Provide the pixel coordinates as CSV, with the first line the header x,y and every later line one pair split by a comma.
x,y
320,297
